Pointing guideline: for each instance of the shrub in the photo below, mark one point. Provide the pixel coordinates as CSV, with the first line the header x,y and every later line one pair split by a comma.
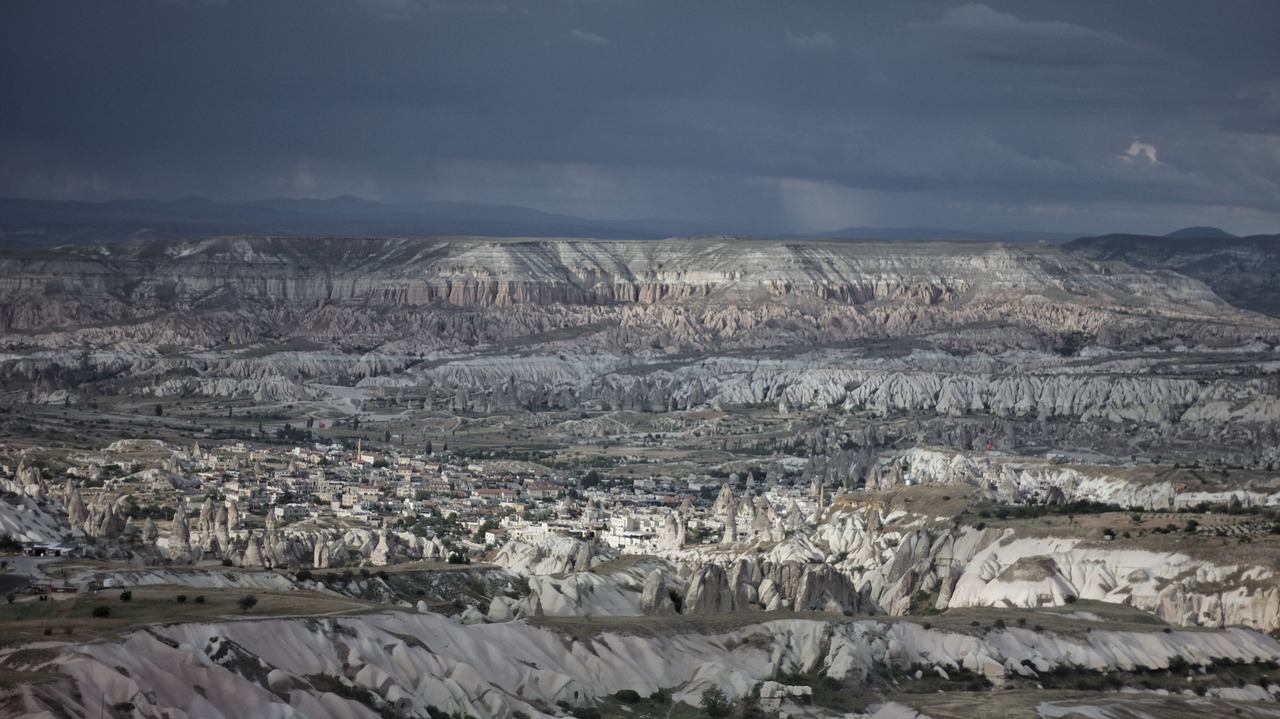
x,y
630,696
1070,599
12,597
303,575
48,631
714,703
126,595
199,599
101,611
182,598
228,563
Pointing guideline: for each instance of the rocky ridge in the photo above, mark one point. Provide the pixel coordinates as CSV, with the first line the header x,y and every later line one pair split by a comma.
x,y
1021,334
289,668
1245,271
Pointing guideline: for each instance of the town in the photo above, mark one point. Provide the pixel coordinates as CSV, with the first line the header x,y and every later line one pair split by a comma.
x,y
438,505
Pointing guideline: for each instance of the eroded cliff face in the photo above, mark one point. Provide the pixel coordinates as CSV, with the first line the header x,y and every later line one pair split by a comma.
x,y
906,546
356,667
140,280
504,272
863,558
1023,334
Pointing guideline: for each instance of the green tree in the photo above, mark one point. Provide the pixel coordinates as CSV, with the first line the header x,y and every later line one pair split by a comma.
x,y
247,602
487,525
715,704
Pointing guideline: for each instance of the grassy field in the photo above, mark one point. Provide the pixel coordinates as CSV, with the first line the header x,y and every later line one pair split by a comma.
x,y
620,563
1057,620
587,628
72,619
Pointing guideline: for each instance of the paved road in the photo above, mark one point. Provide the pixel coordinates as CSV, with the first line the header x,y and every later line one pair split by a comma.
x,y
24,569
12,581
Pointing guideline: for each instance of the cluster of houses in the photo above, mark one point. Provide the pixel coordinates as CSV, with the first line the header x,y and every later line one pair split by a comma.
x,y
490,503
485,503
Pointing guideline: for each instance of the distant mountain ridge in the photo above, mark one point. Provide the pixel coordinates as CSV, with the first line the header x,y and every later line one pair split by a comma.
x,y
48,223
1244,271
1202,233
940,233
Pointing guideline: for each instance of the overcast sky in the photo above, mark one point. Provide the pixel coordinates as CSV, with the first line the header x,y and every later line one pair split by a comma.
x,y
795,115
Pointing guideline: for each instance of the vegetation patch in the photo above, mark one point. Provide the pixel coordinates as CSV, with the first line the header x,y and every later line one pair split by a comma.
x,y
1029,569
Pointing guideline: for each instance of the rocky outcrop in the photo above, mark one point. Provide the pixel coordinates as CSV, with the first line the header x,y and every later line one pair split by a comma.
x,y
1037,481
712,590
500,670
76,510
179,536
555,555
543,272
384,554
655,599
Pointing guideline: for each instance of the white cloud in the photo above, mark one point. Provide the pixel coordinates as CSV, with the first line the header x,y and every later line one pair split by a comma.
x,y
815,41
592,38
1140,149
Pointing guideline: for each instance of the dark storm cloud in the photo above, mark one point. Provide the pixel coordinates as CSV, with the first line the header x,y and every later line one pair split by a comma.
x,y
980,32
777,115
